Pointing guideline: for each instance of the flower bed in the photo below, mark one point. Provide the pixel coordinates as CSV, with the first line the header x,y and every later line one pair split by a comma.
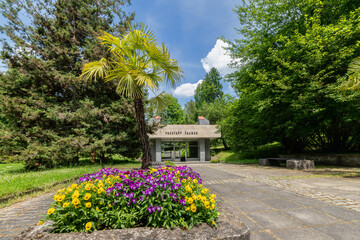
x,y
112,199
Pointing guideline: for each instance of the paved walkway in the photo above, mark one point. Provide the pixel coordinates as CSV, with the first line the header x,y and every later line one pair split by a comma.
x,y
275,203
19,216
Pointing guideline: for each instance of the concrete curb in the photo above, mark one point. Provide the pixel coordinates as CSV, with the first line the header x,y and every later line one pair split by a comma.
x,y
229,228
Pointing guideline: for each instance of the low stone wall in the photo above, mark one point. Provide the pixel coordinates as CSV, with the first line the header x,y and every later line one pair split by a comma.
x,y
349,160
229,228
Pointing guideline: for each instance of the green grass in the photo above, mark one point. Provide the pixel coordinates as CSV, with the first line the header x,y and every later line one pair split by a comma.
x,y
15,180
234,157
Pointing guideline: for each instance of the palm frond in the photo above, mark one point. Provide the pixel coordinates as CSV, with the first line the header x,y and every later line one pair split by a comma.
x,y
159,102
95,69
137,63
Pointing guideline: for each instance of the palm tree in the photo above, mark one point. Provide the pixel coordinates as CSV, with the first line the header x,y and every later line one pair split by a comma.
x,y
138,64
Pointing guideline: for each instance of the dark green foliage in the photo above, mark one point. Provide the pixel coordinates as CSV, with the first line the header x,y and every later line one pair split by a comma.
x,y
210,89
190,112
50,115
173,113
295,55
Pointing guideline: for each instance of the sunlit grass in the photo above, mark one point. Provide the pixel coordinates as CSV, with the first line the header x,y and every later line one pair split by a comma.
x,y
234,157
15,180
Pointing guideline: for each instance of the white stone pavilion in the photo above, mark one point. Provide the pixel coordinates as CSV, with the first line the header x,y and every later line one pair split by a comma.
x,y
183,142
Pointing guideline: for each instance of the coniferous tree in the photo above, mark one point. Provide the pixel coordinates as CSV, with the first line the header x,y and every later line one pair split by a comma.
x,y
50,115
210,89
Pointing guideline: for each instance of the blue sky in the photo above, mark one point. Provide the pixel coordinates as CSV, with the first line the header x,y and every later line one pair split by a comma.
x,y
190,29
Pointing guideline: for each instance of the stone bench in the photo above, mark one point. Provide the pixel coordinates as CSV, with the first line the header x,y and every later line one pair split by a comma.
x,y
297,164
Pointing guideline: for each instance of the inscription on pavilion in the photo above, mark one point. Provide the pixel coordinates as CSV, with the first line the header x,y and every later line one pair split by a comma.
x,y
183,142
181,132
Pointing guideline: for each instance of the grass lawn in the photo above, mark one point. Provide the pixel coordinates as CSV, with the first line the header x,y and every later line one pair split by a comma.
x,y
230,156
15,180
249,157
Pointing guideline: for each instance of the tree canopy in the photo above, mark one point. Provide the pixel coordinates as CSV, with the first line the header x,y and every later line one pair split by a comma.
x,y
50,116
173,112
209,89
295,56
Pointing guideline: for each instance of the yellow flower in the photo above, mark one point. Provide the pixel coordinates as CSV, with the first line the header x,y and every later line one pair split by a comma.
x,y
87,196
213,195
184,180
73,186
187,209
55,197
212,200
69,189
100,190
212,206
193,208
75,201
88,186
198,197
110,205
50,211
88,226
201,186
76,194
76,206
88,204
40,222
66,204
100,184
101,203
195,181
207,204
97,209
213,223
61,198
203,191
203,198
190,200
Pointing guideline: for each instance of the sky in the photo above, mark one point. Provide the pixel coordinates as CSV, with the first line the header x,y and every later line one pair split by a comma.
x,y
191,30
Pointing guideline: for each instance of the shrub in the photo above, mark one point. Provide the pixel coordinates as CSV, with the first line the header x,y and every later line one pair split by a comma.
x,y
111,199
215,161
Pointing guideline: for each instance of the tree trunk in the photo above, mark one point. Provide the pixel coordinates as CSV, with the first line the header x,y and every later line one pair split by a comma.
x,y
144,139
102,158
93,156
225,145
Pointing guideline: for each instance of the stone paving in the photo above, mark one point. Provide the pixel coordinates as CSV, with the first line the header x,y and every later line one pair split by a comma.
x,y
19,216
282,208
275,203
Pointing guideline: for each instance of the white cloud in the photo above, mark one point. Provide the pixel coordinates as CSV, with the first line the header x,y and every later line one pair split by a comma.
x,y
218,58
186,89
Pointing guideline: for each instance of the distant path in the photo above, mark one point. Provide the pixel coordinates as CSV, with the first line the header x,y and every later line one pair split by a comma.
x,y
275,203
